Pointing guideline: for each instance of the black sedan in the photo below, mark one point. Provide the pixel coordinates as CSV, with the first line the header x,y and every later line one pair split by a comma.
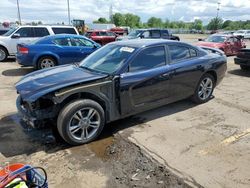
x,y
118,80
243,59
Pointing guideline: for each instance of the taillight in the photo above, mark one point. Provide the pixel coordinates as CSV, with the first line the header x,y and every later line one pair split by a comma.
x,y
23,50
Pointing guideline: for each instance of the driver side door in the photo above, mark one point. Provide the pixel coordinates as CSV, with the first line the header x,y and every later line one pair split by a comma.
x,y
145,84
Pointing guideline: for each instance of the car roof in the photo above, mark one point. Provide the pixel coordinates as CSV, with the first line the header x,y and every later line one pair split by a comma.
x,y
64,35
61,26
139,43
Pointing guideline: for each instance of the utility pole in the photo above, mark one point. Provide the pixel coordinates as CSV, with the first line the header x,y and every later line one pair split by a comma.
x,y
68,12
18,12
217,15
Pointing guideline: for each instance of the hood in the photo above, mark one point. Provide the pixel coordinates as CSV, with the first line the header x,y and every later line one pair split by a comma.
x,y
210,44
39,83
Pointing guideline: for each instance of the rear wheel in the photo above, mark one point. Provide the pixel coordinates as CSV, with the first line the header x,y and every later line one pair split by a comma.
x,y
46,62
3,54
81,121
244,67
204,89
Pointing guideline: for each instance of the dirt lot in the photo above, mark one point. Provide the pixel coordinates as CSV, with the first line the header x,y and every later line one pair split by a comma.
x,y
179,145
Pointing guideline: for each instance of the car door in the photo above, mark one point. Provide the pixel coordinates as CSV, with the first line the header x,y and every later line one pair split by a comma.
x,y
237,45
64,50
229,46
145,84
185,68
83,48
22,35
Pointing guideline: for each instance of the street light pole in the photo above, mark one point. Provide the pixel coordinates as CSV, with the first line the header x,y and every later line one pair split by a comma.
x,y
68,12
18,12
217,15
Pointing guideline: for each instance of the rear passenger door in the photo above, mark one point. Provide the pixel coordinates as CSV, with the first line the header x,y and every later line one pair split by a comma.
x,y
145,84
185,71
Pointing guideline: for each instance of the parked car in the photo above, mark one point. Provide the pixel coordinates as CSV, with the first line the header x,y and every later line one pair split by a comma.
x,y
116,81
55,50
27,34
243,59
149,34
244,33
101,36
231,45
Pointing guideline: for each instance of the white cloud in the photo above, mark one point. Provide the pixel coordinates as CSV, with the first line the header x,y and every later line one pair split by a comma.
x,y
52,11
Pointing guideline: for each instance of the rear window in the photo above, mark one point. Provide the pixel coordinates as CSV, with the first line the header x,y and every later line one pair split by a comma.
x,y
41,31
63,30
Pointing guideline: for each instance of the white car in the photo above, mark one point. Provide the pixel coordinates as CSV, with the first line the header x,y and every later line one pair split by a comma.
x,y
27,34
243,33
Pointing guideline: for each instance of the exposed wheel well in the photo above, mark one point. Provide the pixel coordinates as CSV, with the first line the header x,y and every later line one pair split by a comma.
x,y
5,49
213,73
84,95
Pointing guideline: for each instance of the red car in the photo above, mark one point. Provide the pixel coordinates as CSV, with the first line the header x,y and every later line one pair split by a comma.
x,y
231,45
101,36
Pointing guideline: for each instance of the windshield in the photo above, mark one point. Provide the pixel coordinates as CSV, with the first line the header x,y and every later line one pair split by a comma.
x,y
134,33
214,38
239,31
107,59
8,33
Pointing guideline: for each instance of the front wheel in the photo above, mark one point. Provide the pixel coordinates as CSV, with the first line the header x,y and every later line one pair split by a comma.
x,y
81,121
3,54
204,89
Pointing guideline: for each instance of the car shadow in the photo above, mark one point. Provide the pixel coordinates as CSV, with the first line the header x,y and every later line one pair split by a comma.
x,y
17,139
9,60
240,72
17,72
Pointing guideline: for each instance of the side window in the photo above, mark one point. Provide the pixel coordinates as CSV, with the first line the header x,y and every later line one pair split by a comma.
x,y
236,39
193,53
165,34
146,34
61,30
155,34
41,31
25,32
103,33
63,41
231,39
149,58
178,53
81,42
111,34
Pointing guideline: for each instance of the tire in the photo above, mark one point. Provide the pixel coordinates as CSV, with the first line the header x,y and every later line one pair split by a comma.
x,y
3,54
73,123
202,94
46,62
244,67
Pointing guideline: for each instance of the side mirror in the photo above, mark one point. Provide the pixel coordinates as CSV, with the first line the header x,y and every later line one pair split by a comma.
x,y
96,46
142,36
200,39
15,36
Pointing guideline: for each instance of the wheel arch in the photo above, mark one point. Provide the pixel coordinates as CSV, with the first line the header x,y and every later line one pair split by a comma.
x,y
88,95
38,57
2,46
212,73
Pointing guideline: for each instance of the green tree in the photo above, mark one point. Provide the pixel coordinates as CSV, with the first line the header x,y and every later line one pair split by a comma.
x,y
101,20
155,22
197,24
215,23
132,20
119,19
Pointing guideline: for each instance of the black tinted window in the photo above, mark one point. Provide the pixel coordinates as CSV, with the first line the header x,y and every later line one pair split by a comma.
x,y
25,32
165,33
155,34
63,41
178,52
81,42
61,30
148,58
41,31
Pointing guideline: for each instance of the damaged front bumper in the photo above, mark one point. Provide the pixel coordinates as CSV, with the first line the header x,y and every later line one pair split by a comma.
x,y
33,117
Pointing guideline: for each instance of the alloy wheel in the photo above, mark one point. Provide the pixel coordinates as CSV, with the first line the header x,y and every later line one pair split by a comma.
x,y
2,55
205,88
46,63
84,124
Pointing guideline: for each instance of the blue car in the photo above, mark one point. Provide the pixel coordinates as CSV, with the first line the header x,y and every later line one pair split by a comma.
x,y
116,81
55,50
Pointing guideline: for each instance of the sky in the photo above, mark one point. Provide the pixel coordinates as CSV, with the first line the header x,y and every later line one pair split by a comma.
x,y
55,11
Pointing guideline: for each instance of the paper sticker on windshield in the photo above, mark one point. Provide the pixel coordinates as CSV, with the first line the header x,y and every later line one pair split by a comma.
x,y
127,49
